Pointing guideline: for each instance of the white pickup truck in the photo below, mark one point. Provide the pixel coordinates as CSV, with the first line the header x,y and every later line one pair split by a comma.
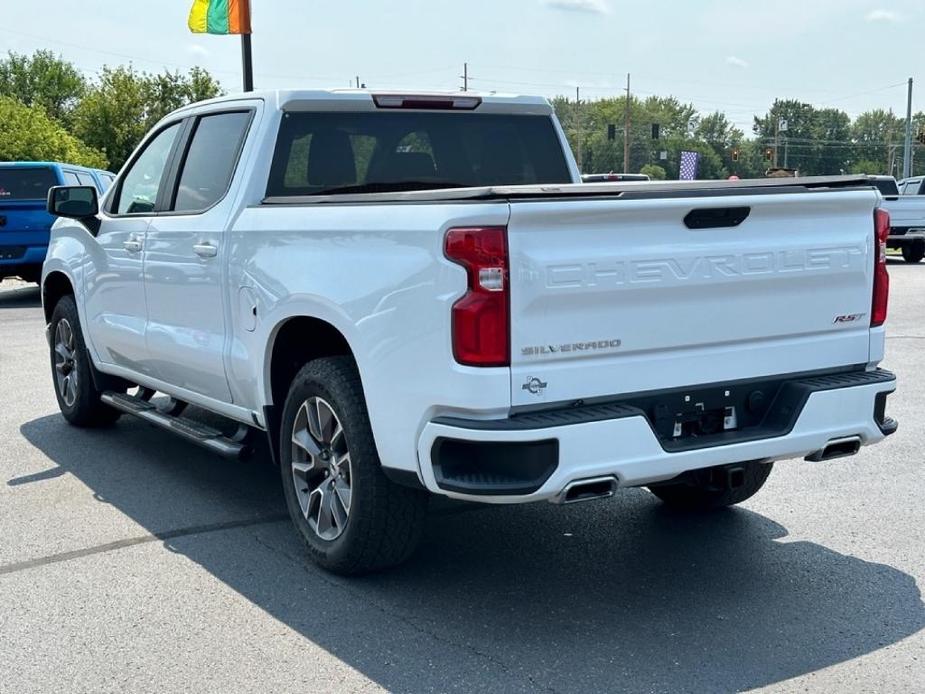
x,y
414,295
907,216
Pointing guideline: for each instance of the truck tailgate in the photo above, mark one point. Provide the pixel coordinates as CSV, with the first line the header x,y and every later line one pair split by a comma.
x,y
612,296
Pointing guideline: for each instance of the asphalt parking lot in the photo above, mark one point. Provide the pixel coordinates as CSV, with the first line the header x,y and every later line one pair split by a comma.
x,y
131,561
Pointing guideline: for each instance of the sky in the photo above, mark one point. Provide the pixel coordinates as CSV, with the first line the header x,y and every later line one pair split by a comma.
x,y
730,55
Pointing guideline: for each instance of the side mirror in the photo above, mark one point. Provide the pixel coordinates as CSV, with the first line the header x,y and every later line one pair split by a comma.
x,y
75,202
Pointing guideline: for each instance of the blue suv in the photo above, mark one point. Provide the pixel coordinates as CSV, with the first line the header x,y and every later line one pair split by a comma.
x,y
24,223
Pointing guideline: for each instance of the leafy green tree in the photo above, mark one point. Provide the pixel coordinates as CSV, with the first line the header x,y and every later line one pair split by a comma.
x,y
28,134
43,79
816,141
654,171
125,104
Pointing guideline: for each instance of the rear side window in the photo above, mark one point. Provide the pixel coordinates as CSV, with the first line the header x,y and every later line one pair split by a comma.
x,y
70,178
324,153
26,184
86,180
210,160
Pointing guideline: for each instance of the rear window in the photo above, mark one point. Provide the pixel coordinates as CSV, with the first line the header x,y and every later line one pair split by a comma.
x,y
26,184
322,153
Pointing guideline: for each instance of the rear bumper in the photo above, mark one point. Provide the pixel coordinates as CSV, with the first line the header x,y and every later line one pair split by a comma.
x,y
535,457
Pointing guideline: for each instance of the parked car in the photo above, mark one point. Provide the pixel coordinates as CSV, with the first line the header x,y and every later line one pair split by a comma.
x,y
606,177
24,221
414,295
907,217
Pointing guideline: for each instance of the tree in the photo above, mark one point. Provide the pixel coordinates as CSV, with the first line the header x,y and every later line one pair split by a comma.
x,y
28,134
655,172
816,141
44,80
125,104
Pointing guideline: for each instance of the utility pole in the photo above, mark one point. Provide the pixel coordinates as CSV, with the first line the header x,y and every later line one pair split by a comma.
x,y
465,77
578,125
626,128
358,81
907,153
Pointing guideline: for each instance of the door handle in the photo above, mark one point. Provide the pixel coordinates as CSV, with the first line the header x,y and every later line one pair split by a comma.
x,y
132,245
205,250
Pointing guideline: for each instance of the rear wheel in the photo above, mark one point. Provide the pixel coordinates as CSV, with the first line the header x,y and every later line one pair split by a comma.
x,y
78,398
350,515
914,253
715,488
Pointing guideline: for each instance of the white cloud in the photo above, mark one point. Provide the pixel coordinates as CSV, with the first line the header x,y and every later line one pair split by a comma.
x,y
592,6
882,16
736,62
198,51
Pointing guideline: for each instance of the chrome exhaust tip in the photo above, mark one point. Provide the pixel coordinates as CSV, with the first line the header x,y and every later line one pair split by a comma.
x,y
837,448
587,490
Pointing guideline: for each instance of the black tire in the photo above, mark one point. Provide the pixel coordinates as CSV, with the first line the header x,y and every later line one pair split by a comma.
x,y
706,490
82,406
383,520
913,253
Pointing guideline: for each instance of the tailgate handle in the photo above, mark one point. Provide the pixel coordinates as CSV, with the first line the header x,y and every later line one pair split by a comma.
x,y
716,217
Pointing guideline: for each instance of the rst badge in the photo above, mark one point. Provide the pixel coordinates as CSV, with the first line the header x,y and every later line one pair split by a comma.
x,y
849,318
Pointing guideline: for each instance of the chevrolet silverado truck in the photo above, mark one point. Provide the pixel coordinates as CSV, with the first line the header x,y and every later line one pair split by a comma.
x,y
415,295
907,218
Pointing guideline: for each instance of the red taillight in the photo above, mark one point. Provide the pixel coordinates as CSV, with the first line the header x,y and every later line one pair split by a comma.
x,y
881,277
481,334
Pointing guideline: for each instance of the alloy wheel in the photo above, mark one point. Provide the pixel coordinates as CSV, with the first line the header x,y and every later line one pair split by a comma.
x,y
321,468
66,376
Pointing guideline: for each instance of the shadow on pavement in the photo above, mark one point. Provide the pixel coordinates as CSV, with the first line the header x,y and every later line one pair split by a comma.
x,y
22,296
607,596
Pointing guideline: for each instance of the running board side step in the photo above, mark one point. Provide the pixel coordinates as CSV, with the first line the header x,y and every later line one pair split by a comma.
x,y
235,447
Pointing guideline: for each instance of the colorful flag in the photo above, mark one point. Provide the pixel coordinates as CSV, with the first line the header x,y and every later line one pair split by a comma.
x,y
690,165
220,17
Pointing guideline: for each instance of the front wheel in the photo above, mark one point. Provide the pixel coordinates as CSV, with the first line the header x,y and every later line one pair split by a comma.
x,y
71,368
715,488
352,518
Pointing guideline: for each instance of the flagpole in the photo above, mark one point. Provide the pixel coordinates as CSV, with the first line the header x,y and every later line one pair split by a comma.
x,y
248,62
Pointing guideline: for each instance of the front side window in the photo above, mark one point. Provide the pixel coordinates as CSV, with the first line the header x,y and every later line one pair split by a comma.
x,y
143,181
210,161
106,181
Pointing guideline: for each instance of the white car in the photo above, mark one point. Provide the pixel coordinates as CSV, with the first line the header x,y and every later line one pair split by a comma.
x,y
415,295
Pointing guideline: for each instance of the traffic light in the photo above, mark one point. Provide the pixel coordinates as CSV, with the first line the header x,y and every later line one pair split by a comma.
x,y
769,154
611,131
656,131
735,155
